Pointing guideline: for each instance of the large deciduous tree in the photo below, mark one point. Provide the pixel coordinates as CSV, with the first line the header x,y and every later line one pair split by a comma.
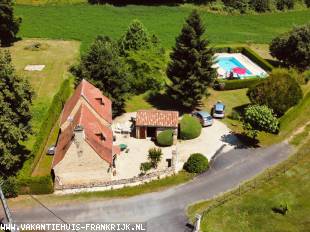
x,y
9,25
15,102
293,48
280,91
103,67
190,69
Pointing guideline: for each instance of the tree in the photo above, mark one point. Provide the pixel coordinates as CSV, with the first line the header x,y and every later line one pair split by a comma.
x,y
260,5
261,118
135,38
237,4
307,2
155,155
285,4
280,91
146,67
196,163
104,68
9,25
15,102
190,69
293,48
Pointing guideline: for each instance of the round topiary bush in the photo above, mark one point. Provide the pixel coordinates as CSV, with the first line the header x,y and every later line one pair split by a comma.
x,y
196,163
190,127
165,138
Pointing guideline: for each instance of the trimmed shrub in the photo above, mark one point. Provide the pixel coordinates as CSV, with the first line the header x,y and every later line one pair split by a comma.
x,y
155,155
146,166
261,118
35,185
165,138
50,119
280,91
257,59
196,163
190,127
237,84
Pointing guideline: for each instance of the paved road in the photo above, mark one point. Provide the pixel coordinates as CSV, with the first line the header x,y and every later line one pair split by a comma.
x,y
165,211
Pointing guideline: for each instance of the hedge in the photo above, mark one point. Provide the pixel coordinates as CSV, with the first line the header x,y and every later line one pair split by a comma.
x,y
257,59
51,118
35,185
239,84
165,138
253,56
42,185
190,127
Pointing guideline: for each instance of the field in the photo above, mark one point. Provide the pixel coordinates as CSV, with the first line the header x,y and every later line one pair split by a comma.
x,y
253,212
84,22
57,56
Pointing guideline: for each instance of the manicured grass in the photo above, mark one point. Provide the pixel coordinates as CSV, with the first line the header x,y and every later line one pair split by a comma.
x,y
153,186
84,22
300,137
138,102
231,99
57,56
253,212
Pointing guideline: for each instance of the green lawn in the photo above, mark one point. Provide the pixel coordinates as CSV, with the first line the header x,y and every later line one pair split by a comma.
x,y
57,56
153,186
84,22
252,212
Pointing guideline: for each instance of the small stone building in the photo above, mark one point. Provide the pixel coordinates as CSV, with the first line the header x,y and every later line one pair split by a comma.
x,y
151,122
85,153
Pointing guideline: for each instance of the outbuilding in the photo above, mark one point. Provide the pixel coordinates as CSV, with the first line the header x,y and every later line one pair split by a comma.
x,y
149,123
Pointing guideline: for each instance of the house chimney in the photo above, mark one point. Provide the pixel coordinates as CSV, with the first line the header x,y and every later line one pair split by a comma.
x,y
79,138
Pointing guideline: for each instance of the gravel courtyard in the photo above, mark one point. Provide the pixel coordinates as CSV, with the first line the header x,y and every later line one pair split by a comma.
x,y
208,143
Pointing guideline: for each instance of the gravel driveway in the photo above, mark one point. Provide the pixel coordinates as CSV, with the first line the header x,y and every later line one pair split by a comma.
x,y
217,137
212,139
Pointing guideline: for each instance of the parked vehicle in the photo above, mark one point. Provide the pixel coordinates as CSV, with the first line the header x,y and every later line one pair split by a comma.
x,y
204,118
51,150
218,110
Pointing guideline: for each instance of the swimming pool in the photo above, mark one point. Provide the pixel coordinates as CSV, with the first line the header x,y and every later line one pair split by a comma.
x,y
229,63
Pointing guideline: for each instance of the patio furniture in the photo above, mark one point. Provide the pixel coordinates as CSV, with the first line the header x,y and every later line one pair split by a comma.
x,y
118,128
122,146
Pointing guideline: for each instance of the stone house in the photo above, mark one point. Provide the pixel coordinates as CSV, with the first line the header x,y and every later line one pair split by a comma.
x,y
85,153
149,123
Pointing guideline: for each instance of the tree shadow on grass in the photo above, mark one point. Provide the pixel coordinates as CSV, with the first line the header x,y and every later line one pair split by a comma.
x,y
163,101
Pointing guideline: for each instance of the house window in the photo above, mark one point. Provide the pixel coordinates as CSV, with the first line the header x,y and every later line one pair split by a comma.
x,y
101,137
100,100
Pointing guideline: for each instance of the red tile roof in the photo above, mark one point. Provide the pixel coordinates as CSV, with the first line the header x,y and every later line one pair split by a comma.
x,y
98,136
100,103
157,118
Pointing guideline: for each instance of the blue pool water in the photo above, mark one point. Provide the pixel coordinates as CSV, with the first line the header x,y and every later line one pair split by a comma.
x,y
228,63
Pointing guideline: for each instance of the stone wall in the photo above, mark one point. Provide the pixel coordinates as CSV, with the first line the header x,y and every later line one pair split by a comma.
x,y
114,184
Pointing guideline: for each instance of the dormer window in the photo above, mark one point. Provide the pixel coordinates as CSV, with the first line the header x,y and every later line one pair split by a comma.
x,y
101,136
100,100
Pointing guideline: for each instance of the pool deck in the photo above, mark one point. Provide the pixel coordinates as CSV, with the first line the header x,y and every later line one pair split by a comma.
x,y
245,61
